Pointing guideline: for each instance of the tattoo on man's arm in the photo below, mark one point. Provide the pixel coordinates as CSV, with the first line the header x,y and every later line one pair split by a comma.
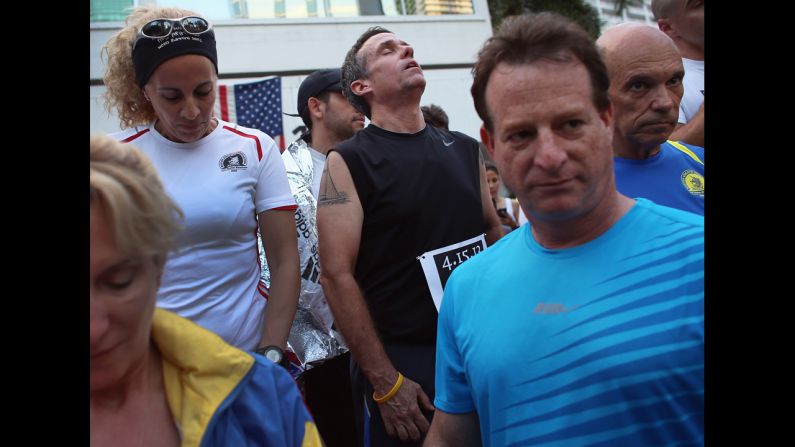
x,y
328,191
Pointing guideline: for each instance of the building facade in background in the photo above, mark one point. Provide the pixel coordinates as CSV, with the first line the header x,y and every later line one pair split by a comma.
x,y
638,14
440,7
292,38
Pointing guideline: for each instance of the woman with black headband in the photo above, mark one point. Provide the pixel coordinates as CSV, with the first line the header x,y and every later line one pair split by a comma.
x,y
161,78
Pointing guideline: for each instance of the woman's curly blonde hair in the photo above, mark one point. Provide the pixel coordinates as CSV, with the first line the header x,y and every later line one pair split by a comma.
x,y
122,92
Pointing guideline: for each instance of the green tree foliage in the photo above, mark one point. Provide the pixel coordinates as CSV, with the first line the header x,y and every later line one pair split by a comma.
x,y
578,10
622,4
411,7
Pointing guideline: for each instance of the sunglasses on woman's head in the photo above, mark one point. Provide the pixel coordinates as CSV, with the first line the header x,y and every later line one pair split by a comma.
x,y
160,28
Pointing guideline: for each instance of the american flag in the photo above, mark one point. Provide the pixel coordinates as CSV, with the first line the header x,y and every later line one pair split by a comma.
x,y
257,105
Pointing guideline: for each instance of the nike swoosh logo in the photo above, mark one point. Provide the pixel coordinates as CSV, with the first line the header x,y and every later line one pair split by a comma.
x,y
448,143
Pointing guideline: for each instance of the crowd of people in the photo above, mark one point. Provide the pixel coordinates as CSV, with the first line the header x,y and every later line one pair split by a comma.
x,y
543,285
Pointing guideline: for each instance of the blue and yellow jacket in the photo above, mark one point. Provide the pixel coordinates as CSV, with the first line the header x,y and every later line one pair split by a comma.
x,y
222,396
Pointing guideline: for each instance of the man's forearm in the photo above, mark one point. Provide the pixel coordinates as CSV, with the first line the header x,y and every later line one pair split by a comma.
x,y
353,319
454,430
692,132
494,233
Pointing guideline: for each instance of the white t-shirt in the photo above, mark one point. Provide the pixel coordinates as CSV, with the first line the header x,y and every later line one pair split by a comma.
x,y
220,182
693,83
318,160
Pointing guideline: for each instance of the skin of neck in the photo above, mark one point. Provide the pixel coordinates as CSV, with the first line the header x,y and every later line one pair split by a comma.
x,y
568,233
624,149
322,139
148,374
688,50
401,116
211,127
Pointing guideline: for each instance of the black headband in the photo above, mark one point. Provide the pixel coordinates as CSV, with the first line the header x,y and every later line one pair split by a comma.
x,y
149,53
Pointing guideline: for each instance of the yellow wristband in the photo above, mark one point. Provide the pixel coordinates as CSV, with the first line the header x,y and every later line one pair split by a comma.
x,y
391,392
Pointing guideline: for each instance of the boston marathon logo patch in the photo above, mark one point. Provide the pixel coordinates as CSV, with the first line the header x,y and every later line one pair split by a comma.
x,y
694,182
233,162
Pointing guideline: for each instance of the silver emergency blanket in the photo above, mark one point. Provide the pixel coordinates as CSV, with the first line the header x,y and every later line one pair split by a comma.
x,y
311,336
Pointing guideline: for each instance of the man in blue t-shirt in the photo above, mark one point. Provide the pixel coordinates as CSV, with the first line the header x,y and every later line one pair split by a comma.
x,y
646,88
586,327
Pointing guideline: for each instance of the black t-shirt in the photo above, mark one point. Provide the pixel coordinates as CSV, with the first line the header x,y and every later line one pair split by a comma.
x,y
419,192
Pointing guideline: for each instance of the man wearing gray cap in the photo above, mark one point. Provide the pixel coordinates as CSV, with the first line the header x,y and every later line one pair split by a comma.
x,y
330,119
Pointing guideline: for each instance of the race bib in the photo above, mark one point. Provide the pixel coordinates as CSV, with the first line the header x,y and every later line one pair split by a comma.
x,y
438,264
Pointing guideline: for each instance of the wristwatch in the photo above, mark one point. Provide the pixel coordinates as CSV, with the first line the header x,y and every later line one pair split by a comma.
x,y
274,354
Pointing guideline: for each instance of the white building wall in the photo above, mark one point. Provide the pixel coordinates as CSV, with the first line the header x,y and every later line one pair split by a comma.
x,y
292,48
250,49
631,13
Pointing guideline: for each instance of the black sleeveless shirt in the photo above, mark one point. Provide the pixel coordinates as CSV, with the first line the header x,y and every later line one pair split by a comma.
x,y
419,192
